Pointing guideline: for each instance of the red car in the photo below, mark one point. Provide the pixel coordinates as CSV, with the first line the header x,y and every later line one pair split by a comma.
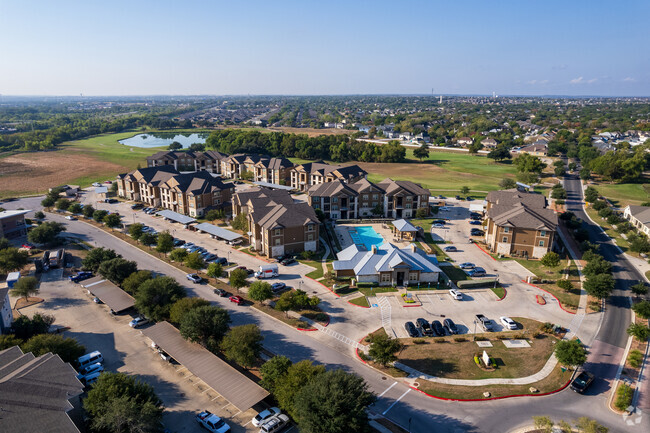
x,y
27,246
237,299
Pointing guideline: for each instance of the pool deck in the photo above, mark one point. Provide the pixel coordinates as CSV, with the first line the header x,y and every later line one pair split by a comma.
x,y
342,231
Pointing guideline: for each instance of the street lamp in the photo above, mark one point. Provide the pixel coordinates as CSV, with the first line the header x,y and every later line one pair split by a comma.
x,y
228,256
300,285
134,218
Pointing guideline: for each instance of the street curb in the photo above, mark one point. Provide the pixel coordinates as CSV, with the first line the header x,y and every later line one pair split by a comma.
x,y
621,365
488,254
505,293
558,301
356,352
314,329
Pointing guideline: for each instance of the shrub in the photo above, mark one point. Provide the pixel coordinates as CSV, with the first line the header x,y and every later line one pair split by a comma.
x,y
460,339
477,361
624,395
439,340
565,285
479,338
599,205
419,341
635,358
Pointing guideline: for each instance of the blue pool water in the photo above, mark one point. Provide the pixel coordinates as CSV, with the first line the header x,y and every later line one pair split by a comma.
x,y
367,236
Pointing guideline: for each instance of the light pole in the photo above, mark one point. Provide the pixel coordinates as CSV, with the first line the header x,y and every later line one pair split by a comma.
x,y
134,218
228,256
496,281
474,336
300,285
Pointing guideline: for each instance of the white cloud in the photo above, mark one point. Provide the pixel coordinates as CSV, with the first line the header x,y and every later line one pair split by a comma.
x,y
593,80
578,80
629,80
534,82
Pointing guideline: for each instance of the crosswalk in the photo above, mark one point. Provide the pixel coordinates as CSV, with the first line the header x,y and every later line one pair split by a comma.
x,y
329,331
385,309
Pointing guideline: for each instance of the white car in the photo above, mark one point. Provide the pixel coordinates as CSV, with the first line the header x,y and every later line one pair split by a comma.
x,y
138,321
456,294
443,208
212,422
508,323
97,184
71,218
194,278
259,419
92,368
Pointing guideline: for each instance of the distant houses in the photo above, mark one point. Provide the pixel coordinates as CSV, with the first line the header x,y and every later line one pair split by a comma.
x,y
639,217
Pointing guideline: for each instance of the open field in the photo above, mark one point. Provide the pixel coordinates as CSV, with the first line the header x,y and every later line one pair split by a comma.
x,y
311,132
624,194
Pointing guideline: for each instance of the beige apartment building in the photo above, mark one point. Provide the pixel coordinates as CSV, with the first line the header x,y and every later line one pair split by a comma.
x,y
303,176
209,161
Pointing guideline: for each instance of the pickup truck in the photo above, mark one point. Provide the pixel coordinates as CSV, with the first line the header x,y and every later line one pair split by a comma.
x,y
484,323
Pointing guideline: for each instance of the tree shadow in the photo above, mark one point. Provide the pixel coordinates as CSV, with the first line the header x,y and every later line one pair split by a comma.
x,y
433,366
62,303
104,342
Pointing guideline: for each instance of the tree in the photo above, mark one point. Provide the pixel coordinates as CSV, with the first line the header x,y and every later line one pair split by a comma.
x,y
120,403
194,261
551,260
148,238
499,154
295,300
135,230
238,278
383,349
131,283
197,147
639,244
182,306
475,146
39,215
117,269
273,372
421,152
215,270
464,190
570,352
88,211
96,256
639,289
638,331
334,402
99,215
112,220
240,222
600,285
4,243
297,376
247,175
9,340
62,204
591,194
155,296
243,344
205,325
113,188
565,285
25,287
543,424
75,208
175,145
507,183
260,291
24,327
12,259
421,213
46,233
559,171
48,202
527,163
178,255
165,242
215,214
642,309
587,425
67,348
598,265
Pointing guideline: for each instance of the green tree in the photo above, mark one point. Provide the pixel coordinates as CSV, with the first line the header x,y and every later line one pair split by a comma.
x,y
570,352
88,211
247,175
639,289
4,243
12,259
295,300
600,285
639,331
383,349
175,145
165,242
39,215
464,190
25,328
565,285
135,230
215,214
178,254
62,204
25,287
421,152
48,202
96,256
333,402
182,306
117,269
499,154
113,188
598,265
243,344
543,424
527,163
507,183
46,233
148,239
240,222
551,260
194,261
205,325
274,371
75,208
215,270
112,220
642,309
289,385
99,215
67,348
120,403
9,340
639,244
260,291
237,278
131,283
591,194
421,213
587,425
155,297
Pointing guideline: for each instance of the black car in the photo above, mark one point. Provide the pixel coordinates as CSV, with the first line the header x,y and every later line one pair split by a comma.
x,y
450,326
110,200
437,328
288,261
83,275
424,327
221,292
137,206
410,328
475,215
285,257
582,382
458,197
178,242
221,260
439,221
477,232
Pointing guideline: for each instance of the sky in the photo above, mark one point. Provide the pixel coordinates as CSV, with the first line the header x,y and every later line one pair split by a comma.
x,y
307,47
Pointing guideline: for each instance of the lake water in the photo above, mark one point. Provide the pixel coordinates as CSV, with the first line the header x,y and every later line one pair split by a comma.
x,y
164,139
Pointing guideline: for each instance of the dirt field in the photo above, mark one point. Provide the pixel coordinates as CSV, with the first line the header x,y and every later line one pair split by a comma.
x,y
27,173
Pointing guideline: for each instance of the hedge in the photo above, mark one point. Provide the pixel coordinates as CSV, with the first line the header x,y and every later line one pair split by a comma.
x,y
473,284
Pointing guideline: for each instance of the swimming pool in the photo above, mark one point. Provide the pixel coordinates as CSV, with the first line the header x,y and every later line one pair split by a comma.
x,y
366,235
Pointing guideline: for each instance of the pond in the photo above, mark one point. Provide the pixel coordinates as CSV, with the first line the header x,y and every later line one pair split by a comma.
x,y
164,139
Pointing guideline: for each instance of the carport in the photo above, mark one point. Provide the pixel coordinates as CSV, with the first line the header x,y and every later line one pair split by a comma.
x,y
272,185
477,207
218,232
232,385
176,217
101,191
116,299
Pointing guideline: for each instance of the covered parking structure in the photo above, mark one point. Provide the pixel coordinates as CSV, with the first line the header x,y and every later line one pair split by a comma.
x,y
272,185
218,232
176,217
116,299
232,385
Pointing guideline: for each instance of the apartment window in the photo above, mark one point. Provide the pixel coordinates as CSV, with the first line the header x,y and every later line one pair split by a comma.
x,y
278,241
413,276
407,205
506,229
365,196
310,228
278,232
375,204
505,239
385,277
375,196
409,198
541,243
335,199
310,236
543,233
335,207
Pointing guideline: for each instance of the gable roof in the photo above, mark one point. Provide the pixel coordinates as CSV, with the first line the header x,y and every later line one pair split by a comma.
x,y
395,186
260,197
293,215
385,258
510,197
641,213
329,189
521,216
404,226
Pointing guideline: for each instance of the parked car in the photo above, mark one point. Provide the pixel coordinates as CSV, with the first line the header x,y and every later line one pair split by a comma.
x,y
178,242
508,323
137,206
221,292
275,424
582,382
90,368
424,327
474,215
264,415
484,322
248,271
235,242
96,184
410,329
288,261
476,272
83,275
110,200
467,265
90,378
194,278
138,321
469,198
437,328
212,422
96,300
210,257
439,221
450,326
438,226
187,245
443,208
71,218
27,246
276,287
458,197
237,300
221,260
450,249
164,355
475,223
477,232
455,294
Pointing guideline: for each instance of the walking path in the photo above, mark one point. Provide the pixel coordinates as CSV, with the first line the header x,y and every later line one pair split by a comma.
x,y
325,256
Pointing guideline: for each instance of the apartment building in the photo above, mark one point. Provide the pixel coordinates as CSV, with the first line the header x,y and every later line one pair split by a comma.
x,y
341,200
209,161
402,198
303,176
519,224
273,170
191,194
12,224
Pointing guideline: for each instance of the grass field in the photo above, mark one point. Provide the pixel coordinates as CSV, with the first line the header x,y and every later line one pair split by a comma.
x,y
624,194
570,299
362,301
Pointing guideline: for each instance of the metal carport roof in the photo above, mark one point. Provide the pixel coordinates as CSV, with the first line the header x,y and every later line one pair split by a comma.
x,y
239,390
111,295
272,185
175,216
218,231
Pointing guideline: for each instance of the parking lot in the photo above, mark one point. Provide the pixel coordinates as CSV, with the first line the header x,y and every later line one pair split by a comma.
x,y
126,350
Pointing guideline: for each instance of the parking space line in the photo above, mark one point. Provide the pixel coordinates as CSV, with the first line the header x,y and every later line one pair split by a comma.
x,y
247,423
226,406
387,389
395,402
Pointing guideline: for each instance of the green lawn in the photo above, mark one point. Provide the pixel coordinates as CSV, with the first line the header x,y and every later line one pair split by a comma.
x,y
627,193
455,274
372,291
499,291
613,234
361,301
